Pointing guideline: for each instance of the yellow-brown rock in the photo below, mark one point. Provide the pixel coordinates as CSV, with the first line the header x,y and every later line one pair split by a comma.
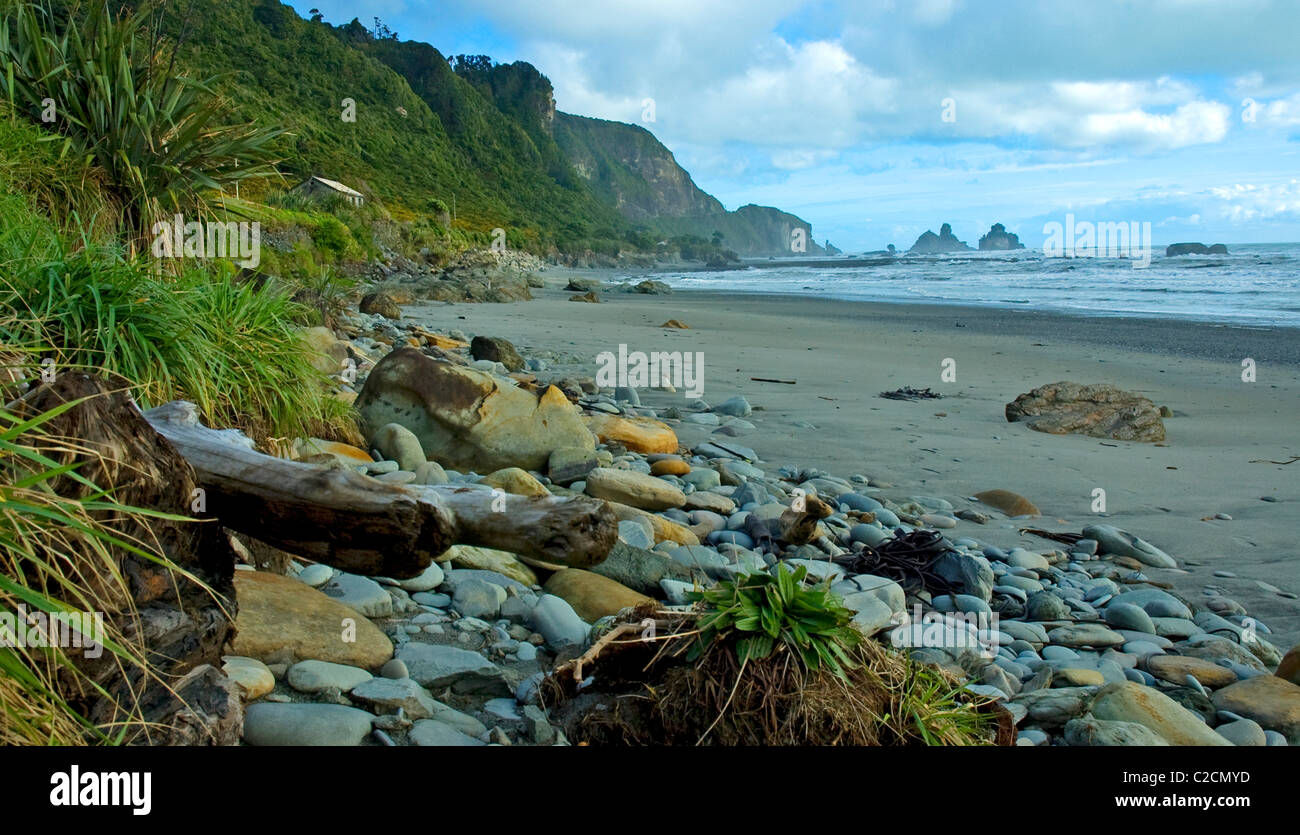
x,y
1012,504
278,614
644,435
516,481
1176,669
305,448
591,595
489,559
665,530
670,466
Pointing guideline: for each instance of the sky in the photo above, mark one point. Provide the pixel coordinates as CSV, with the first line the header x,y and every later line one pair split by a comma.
x,y
878,119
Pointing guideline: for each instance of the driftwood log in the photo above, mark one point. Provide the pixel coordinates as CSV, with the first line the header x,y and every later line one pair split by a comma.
x,y
365,526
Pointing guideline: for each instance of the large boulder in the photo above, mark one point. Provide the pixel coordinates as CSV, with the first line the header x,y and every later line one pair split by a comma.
x,y
1271,701
496,349
467,419
1098,410
1130,702
380,303
279,615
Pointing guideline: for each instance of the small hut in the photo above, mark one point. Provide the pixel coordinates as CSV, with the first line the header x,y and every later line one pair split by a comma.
x,y
321,187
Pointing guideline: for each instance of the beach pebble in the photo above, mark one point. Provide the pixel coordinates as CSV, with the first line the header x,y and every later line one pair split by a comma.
x,y
1243,732
316,575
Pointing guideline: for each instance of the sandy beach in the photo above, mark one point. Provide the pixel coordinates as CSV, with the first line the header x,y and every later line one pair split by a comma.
x,y
843,354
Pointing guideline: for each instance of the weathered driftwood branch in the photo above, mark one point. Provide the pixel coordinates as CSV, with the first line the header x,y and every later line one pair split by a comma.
x,y
359,524
576,531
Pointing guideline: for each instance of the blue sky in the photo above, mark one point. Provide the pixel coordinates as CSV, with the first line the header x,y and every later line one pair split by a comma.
x,y
878,119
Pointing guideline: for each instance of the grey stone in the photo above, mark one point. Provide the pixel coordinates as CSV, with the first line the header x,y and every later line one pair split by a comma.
x,y
316,575
1044,605
267,723
394,669
1085,635
427,580
1157,603
1123,615
360,593
475,598
1243,732
1111,540
970,575
1055,707
430,472
871,614
634,533
555,619
313,676
1021,558
386,695
735,407
1090,731
399,444
569,464
437,667
432,733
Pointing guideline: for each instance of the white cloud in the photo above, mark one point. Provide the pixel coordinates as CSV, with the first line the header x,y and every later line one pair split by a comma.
x,y
1242,202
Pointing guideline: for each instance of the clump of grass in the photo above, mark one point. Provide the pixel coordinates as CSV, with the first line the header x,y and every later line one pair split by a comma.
x,y
58,554
765,660
230,346
56,184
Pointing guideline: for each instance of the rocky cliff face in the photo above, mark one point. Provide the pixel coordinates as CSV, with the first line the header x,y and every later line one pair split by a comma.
x,y
629,169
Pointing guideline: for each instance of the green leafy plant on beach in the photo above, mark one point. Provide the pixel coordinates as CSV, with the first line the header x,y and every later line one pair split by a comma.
x,y
120,100
762,612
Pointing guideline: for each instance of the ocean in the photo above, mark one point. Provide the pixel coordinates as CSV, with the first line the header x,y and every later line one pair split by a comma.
x,y
1255,284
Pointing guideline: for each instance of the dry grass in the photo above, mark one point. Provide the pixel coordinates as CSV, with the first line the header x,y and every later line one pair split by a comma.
x,y
62,552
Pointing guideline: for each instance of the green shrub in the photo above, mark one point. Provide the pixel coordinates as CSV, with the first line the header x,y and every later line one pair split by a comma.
x,y
759,612
331,235
159,135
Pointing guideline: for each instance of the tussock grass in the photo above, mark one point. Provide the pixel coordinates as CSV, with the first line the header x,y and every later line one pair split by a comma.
x,y
56,184
60,554
230,346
